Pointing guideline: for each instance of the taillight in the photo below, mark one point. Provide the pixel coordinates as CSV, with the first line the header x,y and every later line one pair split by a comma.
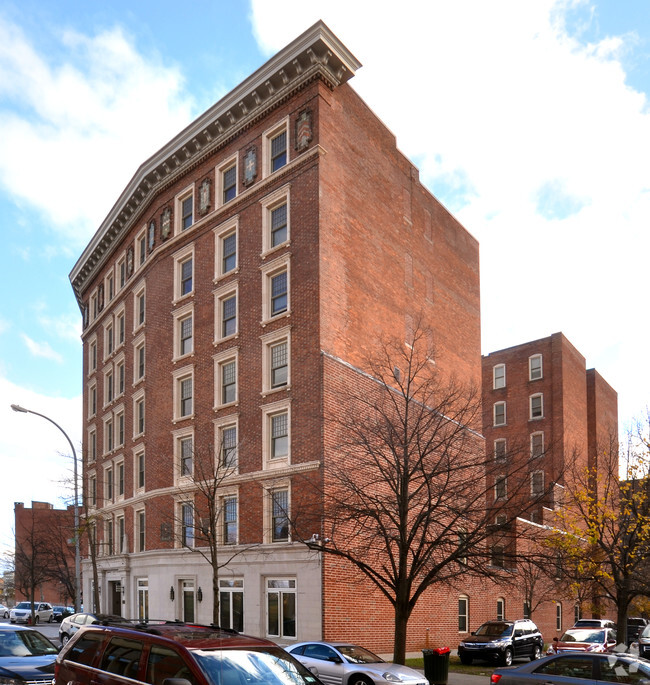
x,y
495,677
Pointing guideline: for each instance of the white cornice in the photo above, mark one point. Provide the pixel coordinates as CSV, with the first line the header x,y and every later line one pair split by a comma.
x,y
316,53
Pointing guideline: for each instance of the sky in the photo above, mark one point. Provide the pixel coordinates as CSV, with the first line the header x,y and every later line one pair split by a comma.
x,y
528,120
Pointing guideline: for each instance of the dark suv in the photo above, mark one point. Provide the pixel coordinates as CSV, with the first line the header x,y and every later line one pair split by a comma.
x,y
502,641
175,654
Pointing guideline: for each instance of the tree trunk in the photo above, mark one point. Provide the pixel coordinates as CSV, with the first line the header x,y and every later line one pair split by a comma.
x,y
401,623
215,598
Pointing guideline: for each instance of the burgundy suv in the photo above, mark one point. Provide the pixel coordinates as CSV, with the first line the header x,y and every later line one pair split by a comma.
x,y
175,654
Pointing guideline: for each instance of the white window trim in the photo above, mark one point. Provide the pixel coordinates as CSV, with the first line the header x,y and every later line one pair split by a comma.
x,y
219,425
92,386
137,344
109,335
180,315
119,360
121,312
108,371
179,502
269,203
268,411
180,258
138,290
107,293
227,164
178,209
137,397
119,265
268,341
225,357
136,458
530,406
227,493
532,438
220,296
220,232
268,272
465,599
89,457
178,376
280,484
501,478
92,475
178,436
117,412
92,344
119,462
137,530
494,414
267,136
530,367
538,472
140,256
505,450
108,467
494,376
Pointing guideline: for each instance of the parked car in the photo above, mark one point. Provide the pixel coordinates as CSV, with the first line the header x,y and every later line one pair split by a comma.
x,y
26,656
503,641
4,611
642,643
635,627
152,653
71,624
584,640
342,663
576,669
22,613
594,623
61,612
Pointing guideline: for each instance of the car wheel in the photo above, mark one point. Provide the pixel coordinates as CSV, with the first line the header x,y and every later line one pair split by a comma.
x,y
537,653
506,659
65,639
50,619
358,679
36,620
466,660
6,614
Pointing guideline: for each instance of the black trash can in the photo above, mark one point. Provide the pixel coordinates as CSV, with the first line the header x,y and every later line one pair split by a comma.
x,y
436,665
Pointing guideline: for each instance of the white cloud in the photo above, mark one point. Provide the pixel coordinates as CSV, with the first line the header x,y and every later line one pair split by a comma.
x,y
89,120
536,142
34,452
42,349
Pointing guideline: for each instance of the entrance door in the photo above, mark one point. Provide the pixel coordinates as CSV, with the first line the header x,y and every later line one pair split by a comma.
x,y
115,588
188,601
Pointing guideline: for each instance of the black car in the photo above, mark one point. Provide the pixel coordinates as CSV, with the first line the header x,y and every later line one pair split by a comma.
x,y
25,655
503,641
635,626
61,612
576,668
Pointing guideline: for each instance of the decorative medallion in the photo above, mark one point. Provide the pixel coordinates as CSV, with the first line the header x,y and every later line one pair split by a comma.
x,y
129,261
166,223
152,235
100,297
250,166
303,129
204,196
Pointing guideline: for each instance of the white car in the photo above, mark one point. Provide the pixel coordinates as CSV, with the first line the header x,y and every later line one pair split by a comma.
x,y
4,611
22,613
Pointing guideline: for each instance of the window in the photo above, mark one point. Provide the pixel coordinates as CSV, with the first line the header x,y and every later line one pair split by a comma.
x,y
139,470
275,219
226,381
92,400
537,444
501,609
110,286
121,535
138,359
120,479
526,613
499,414
535,367
92,445
226,248
497,556
186,271
186,454
463,614
184,331
536,406
229,513
279,293
275,148
231,603
109,538
139,308
183,392
500,449
120,377
141,247
558,617
275,288
92,356
279,364
279,515
229,446
109,339
108,435
276,434
109,485
185,211
121,328
119,422
139,416
140,530
187,524
279,435
227,180
499,376
121,272
536,483
500,487
229,316
281,607
276,352
92,487
109,387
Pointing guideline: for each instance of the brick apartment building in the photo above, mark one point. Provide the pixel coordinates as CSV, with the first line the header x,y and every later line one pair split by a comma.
x,y
241,279
41,532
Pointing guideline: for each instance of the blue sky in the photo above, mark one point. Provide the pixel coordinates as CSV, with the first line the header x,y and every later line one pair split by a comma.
x,y
529,120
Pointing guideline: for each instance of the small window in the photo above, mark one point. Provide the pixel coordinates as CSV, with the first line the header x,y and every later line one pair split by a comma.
x,y
229,382
499,413
279,515
139,360
186,274
141,530
186,448
186,335
139,417
279,225
140,308
535,367
279,364
228,442
92,356
229,252
537,445
186,393
501,609
139,476
536,406
463,614
500,449
558,617
229,181
229,316
226,248
279,435
187,525
278,151
279,293
499,376
229,511
497,556
500,487
536,483
187,212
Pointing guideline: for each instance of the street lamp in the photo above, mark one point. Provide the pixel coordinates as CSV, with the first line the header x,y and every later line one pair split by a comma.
x,y
77,554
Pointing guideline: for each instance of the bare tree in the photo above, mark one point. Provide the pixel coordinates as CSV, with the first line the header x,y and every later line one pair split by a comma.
x,y
31,557
410,501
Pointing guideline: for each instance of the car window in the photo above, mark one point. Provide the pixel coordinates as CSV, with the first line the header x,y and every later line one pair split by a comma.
x,y
616,670
25,643
568,666
79,619
495,630
83,651
322,652
359,655
122,657
518,632
166,663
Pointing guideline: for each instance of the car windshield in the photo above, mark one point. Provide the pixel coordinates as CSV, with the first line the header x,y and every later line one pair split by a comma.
x,y
646,631
25,643
23,605
495,630
583,636
358,655
262,666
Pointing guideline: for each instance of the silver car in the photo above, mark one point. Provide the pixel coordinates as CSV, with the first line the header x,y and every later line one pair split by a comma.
x,y
22,613
342,663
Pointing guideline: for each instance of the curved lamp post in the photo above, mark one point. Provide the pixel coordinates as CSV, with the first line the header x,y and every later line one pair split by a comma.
x,y
77,555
